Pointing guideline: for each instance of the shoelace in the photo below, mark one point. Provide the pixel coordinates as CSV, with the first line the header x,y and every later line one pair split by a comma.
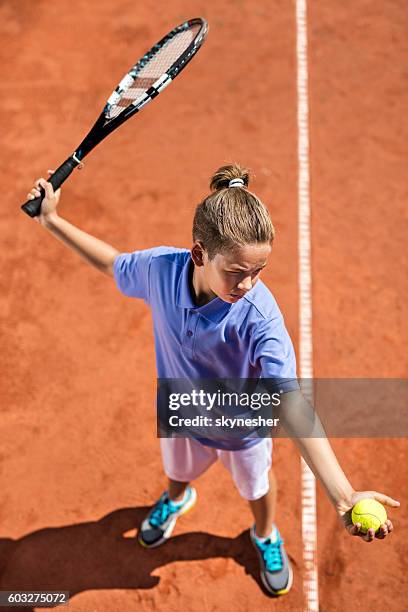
x,y
161,512
272,555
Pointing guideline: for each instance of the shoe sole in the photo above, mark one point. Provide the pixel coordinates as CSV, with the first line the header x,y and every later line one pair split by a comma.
x,y
166,535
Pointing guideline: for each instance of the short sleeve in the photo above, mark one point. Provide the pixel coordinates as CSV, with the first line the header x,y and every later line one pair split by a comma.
x,y
274,352
132,273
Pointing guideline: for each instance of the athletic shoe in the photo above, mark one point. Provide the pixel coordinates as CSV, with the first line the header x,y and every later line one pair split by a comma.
x,y
276,572
158,525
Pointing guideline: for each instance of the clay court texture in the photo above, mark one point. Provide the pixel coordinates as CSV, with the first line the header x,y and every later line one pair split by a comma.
x,y
80,461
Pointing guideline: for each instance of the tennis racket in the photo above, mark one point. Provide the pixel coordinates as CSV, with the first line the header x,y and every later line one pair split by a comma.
x,y
144,81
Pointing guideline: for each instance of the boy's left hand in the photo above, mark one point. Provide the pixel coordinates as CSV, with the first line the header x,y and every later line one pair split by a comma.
x,y
344,509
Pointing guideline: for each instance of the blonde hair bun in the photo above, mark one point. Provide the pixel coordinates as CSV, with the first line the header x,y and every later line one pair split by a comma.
x,y
222,177
231,216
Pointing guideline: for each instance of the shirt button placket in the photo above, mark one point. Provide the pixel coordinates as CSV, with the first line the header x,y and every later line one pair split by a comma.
x,y
190,329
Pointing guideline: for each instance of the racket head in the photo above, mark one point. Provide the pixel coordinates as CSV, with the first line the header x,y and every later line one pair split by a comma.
x,y
156,69
146,79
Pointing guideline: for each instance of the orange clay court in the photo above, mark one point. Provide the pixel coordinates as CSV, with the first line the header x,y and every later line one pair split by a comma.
x,y
79,457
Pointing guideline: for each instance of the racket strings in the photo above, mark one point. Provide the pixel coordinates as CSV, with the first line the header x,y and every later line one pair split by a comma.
x,y
145,73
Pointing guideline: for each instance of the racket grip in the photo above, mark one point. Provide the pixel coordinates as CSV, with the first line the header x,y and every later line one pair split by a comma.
x,y
33,207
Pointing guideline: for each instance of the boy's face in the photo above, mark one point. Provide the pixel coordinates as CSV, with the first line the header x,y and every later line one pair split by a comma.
x,y
230,275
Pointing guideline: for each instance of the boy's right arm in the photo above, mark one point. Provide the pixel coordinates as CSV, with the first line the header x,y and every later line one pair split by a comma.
x,y
91,249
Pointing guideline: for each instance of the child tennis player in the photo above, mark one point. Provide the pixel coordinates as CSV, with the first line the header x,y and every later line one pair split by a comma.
x,y
214,318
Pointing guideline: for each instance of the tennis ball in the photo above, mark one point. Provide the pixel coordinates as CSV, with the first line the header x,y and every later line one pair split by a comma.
x,y
370,513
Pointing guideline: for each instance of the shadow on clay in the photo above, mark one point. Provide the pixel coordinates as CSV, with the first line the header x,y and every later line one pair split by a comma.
x,y
97,555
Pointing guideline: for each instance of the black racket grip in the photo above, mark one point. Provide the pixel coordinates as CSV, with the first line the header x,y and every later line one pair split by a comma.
x,y
33,207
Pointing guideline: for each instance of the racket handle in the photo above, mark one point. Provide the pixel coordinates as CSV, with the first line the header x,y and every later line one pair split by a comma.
x,y
33,207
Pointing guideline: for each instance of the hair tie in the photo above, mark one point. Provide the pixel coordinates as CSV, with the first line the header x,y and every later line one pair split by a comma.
x,y
236,182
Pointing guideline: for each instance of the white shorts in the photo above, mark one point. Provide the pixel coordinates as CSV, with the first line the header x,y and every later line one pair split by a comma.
x,y
185,459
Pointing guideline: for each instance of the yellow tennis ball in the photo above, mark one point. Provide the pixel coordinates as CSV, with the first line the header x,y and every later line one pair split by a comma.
x,y
370,513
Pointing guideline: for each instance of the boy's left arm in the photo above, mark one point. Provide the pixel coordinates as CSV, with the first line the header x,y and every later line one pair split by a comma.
x,y
298,417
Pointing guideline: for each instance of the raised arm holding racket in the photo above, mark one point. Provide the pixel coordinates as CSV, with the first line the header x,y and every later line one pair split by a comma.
x,y
144,81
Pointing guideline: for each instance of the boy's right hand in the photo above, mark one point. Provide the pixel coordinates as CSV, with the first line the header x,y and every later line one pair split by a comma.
x,y
50,201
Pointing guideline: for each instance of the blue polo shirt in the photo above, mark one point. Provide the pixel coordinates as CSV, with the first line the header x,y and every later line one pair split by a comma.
x,y
247,339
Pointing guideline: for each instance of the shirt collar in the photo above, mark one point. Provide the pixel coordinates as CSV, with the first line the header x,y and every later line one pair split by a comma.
x,y
214,311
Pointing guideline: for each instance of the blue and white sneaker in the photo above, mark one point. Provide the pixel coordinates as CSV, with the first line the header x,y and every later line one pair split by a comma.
x,y
158,525
276,572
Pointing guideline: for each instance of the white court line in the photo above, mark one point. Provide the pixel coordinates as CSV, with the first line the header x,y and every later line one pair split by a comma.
x,y
309,531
